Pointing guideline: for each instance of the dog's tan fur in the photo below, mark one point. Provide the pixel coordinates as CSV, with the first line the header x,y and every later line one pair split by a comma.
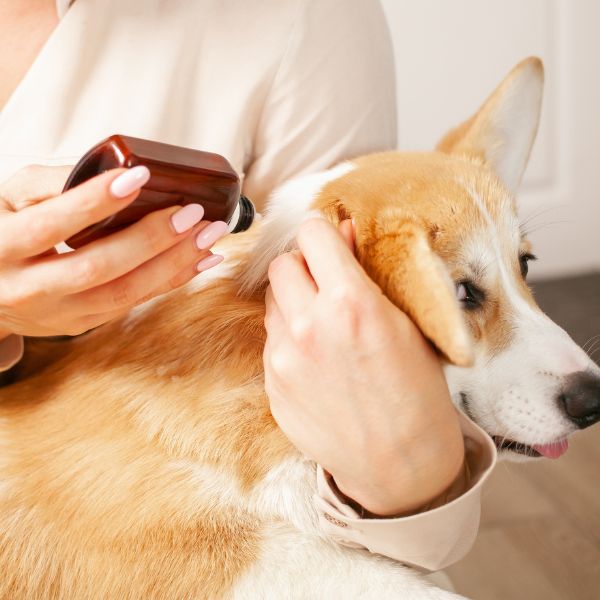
x,y
98,497
88,445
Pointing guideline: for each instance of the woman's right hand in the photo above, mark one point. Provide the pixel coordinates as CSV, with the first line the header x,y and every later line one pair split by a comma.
x,y
43,293
352,382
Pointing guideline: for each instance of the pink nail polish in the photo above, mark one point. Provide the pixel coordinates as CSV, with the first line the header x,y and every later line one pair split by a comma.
x,y
130,181
186,217
210,234
210,261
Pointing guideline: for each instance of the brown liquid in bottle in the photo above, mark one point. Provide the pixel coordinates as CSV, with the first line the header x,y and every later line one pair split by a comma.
x,y
178,176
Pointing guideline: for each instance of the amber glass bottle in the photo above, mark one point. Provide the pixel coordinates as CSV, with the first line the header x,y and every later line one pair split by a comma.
x,y
179,176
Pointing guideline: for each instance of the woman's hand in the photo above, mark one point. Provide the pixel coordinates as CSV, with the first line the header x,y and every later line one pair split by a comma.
x,y
351,380
44,293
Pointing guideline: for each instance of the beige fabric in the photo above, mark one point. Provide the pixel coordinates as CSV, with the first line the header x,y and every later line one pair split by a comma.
x,y
62,6
440,579
279,87
432,539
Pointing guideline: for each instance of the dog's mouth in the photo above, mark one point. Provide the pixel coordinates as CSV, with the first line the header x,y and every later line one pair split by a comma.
x,y
504,444
511,446
551,450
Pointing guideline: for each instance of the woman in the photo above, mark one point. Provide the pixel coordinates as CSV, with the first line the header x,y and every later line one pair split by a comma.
x,y
280,88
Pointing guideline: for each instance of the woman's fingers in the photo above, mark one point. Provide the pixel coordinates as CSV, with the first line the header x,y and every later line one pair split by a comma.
x,y
179,279
293,288
163,273
346,229
111,257
33,184
274,322
329,260
206,262
292,285
38,227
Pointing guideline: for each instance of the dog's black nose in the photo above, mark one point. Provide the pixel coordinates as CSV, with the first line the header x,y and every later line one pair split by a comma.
x,y
580,398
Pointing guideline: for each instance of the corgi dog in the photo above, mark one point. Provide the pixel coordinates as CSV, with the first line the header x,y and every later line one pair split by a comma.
x,y
143,461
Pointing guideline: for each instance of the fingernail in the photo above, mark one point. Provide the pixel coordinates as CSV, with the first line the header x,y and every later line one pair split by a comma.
x,y
210,234
188,216
210,261
130,181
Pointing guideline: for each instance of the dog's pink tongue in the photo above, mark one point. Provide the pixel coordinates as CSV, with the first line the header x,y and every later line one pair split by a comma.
x,y
553,450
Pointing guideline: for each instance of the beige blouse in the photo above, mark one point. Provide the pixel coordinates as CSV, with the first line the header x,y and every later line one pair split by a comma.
x,y
279,87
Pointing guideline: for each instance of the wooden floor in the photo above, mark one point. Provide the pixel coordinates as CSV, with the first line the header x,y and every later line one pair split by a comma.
x,y
540,532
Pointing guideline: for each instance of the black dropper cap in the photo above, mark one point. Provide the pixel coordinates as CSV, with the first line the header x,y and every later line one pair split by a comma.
x,y
246,216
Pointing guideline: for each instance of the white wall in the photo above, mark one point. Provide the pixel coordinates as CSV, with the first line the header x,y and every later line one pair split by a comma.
x,y
450,54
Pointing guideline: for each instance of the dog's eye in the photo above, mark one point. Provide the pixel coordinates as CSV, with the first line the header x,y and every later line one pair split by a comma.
x,y
469,295
524,263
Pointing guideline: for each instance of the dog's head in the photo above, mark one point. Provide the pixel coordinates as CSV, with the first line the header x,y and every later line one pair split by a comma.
x,y
439,233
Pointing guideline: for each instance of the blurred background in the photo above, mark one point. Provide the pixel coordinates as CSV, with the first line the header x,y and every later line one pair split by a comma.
x,y
540,534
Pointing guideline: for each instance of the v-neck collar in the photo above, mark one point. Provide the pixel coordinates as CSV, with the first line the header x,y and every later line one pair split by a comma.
x,y
62,6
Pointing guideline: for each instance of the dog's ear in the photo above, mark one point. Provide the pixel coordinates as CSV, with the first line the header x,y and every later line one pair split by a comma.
x,y
502,132
400,260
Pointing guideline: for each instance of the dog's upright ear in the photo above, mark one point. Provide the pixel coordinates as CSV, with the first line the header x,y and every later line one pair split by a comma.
x,y
502,132
396,253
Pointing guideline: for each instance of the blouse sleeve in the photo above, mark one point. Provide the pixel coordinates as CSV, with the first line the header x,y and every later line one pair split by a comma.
x,y
332,98
438,535
11,351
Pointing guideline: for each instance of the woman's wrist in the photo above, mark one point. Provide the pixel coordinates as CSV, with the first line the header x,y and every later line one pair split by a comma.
x,y
416,480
